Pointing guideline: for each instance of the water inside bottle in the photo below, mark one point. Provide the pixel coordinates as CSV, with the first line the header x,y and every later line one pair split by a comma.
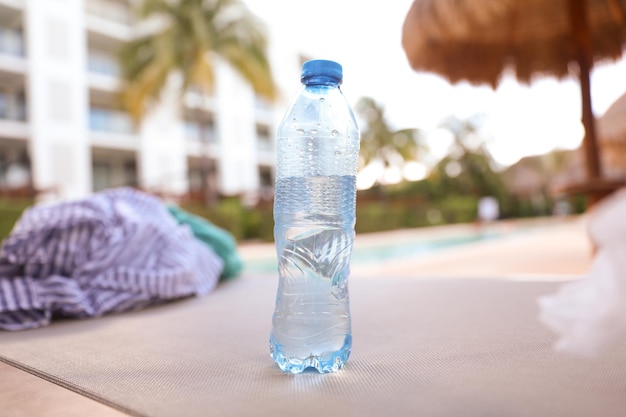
x,y
314,237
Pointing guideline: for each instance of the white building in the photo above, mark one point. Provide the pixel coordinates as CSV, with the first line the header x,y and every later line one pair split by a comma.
x,y
62,127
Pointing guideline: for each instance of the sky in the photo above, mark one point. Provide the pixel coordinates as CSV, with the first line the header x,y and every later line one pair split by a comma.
x,y
365,38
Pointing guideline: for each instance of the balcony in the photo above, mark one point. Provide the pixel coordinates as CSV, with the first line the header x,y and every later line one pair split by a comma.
x,y
112,168
195,100
12,51
13,115
11,42
111,129
111,18
103,71
11,6
104,63
111,121
12,106
263,138
116,11
203,132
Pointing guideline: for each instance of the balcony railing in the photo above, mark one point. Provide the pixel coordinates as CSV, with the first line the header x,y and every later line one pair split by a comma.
x,y
201,132
115,11
103,63
12,107
111,121
263,138
11,42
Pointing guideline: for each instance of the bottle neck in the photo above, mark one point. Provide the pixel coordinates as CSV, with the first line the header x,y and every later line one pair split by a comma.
x,y
320,79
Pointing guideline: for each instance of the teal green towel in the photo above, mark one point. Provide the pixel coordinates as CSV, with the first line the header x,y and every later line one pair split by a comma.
x,y
221,241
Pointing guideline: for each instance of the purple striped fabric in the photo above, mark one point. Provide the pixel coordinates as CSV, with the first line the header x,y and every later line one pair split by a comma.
x,y
116,251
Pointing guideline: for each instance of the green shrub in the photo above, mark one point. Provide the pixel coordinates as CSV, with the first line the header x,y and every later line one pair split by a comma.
x,y
226,214
10,212
458,208
372,217
258,223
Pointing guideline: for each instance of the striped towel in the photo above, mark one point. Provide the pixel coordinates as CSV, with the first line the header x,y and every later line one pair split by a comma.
x,y
116,251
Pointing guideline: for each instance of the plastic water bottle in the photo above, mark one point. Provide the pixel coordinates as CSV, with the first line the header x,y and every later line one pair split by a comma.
x,y
314,218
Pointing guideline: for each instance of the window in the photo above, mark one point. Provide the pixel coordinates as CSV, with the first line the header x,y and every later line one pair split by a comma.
x,y
108,120
11,42
201,131
4,105
130,172
12,106
103,63
101,176
263,137
266,180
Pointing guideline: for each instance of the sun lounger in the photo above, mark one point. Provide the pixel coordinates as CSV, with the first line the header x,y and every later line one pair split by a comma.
x,y
433,347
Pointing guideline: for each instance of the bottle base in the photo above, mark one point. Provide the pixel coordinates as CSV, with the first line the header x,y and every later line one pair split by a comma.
x,y
323,363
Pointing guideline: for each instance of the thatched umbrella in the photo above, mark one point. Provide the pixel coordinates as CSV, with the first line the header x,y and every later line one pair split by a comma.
x,y
480,40
612,134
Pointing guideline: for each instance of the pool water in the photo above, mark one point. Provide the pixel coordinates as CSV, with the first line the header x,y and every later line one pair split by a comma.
x,y
370,254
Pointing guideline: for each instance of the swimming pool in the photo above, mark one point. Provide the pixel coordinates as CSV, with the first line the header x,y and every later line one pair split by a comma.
x,y
372,253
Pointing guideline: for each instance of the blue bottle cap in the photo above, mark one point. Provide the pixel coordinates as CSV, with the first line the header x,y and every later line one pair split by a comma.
x,y
324,68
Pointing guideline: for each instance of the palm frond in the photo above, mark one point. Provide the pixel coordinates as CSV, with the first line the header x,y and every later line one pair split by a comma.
x,y
195,30
156,7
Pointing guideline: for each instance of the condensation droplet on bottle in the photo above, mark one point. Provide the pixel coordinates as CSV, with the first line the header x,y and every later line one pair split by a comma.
x,y
300,131
322,100
337,153
334,132
314,131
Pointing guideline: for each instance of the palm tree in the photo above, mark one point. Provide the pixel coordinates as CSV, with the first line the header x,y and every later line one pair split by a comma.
x,y
380,142
468,168
191,35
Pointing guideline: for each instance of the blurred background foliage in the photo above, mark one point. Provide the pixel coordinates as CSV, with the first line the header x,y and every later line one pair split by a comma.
x,y
433,201
449,193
